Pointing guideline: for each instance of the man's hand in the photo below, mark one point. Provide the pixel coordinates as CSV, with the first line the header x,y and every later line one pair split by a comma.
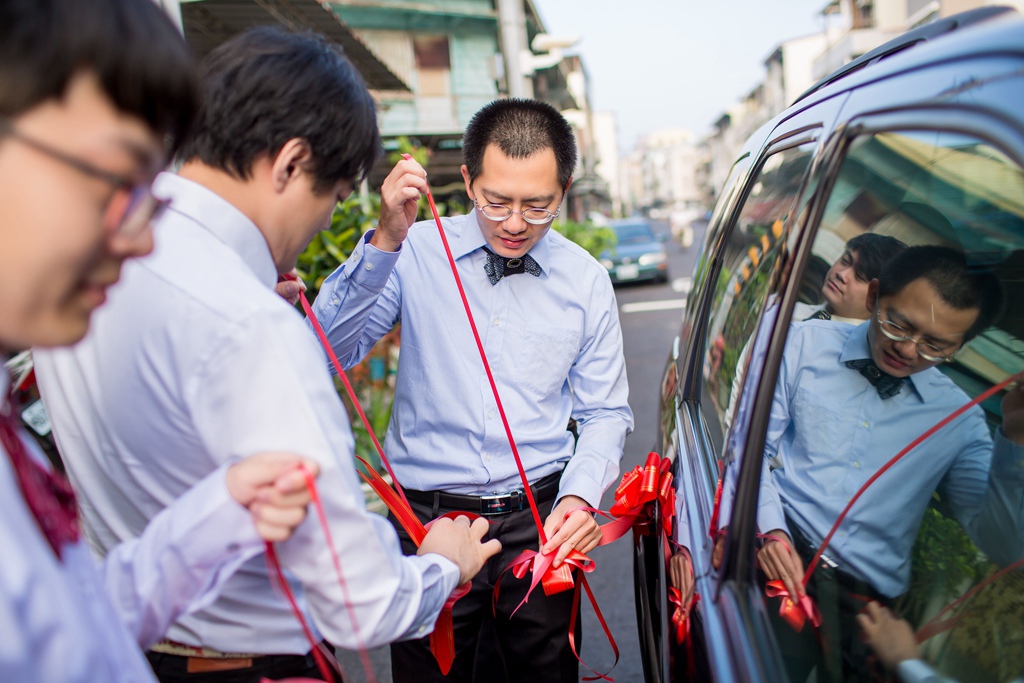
x,y
892,639
273,487
290,286
779,561
579,531
1013,414
398,198
460,542
680,574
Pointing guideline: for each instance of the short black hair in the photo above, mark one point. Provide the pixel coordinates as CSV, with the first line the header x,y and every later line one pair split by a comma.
x,y
136,52
519,128
267,86
954,280
873,251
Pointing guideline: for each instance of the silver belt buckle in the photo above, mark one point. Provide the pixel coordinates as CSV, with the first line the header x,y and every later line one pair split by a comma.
x,y
501,503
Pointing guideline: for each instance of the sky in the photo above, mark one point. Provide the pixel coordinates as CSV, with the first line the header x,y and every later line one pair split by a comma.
x,y
675,63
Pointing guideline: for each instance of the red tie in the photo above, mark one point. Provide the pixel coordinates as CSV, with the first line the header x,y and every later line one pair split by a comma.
x,y
48,494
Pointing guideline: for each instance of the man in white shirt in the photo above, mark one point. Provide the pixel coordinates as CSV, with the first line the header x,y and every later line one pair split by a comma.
x,y
196,359
94,97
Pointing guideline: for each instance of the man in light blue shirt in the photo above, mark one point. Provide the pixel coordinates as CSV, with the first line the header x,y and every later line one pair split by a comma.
x,y
549,325
848,399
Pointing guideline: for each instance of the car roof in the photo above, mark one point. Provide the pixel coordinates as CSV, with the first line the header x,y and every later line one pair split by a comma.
x,y
910,39
985,31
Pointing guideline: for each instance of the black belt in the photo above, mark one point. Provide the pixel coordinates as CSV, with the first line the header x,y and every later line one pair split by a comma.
x,y
853,584
543,489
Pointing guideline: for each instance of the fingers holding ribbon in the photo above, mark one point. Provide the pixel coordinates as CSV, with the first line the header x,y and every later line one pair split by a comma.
x,y
569,527
399,196
780,562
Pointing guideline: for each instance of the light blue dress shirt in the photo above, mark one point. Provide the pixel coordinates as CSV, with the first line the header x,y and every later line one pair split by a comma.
x,y
553,342
829,431
71,621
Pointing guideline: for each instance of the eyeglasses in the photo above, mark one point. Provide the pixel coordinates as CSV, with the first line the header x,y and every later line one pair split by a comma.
x,y
929,352
500,212
132,205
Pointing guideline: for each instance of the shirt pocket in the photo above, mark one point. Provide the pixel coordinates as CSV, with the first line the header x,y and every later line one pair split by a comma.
x,y
821,428
544,358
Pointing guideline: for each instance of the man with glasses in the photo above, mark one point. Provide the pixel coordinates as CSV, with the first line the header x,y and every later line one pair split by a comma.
x,y
94,96
548,322
847,400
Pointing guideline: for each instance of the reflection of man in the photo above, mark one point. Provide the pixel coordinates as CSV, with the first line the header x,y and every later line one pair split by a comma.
x,y
196,360
849,398
846,283
547,318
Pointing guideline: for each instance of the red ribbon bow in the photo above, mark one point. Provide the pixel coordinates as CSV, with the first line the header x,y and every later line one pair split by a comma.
x,y
681,614
794,613
640,487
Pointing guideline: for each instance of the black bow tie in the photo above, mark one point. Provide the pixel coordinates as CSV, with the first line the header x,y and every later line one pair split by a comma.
x,y
886,385
821,314
498,267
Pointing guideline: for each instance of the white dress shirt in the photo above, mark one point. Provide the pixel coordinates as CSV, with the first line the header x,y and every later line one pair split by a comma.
x,y
193,361
553,342
67,621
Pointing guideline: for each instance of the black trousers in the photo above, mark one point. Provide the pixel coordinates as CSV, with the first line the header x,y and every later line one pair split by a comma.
x,y
532,646
174,669
836,651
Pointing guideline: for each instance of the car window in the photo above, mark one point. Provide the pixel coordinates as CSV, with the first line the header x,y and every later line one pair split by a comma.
x,y
751,261
908,311
634,233
716,226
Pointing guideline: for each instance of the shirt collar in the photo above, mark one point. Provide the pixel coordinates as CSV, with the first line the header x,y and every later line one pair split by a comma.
x,y
222,219
857,348
472,238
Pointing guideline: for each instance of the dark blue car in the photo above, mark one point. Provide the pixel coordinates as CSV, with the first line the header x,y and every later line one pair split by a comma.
x,y
638,254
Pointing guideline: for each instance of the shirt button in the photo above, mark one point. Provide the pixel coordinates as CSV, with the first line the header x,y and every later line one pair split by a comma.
x,y
865,423
497,322
487,458
368,266
335,300
490,415
856,463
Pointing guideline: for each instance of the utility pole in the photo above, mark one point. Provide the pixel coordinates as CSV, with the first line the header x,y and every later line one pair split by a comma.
x,y
513,45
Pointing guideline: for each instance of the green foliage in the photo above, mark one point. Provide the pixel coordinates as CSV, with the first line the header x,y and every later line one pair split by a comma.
x,y
596,240
329,249
943,561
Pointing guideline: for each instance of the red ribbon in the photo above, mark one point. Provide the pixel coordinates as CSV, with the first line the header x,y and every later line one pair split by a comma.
x,y
935,626
539,563
639,489
681,625
794,613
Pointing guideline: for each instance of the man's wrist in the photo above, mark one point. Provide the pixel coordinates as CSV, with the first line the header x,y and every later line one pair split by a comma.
x,y
380,241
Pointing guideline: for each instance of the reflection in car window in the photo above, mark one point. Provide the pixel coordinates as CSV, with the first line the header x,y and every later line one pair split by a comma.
x,y
942,527
750,266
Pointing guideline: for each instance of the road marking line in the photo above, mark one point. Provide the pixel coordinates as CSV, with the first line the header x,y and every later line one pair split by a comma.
x,y
644,306
682,285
